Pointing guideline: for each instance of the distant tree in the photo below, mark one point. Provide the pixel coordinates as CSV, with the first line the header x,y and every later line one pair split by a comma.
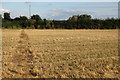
x,y
96,24
16,19
23,18
7,16
49,24
31,23
110,23
44,23
74,18
7,24
84,21
38,20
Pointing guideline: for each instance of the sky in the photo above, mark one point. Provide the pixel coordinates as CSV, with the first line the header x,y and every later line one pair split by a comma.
x,y
60,0
62,10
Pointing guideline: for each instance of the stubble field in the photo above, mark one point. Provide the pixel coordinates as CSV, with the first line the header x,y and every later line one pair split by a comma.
x,y
60,53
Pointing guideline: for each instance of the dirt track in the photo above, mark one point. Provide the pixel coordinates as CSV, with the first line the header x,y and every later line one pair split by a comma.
x,y
22,60
25,55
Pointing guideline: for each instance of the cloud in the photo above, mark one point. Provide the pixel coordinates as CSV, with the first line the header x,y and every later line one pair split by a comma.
x,y
4,10
99,12
59,14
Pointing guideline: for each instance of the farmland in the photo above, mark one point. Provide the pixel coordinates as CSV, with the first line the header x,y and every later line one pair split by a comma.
x,y
55,53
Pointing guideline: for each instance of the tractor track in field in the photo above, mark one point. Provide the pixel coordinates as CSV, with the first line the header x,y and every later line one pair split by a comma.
x,y
23,58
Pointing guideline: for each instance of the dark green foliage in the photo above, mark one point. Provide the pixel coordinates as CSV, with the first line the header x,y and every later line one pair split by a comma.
x,y
38,21
75,22
7,16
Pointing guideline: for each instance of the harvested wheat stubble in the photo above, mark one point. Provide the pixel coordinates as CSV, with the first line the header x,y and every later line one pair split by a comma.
x,y
60,54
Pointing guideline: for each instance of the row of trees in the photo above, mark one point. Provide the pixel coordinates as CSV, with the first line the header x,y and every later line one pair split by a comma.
x,y
75,22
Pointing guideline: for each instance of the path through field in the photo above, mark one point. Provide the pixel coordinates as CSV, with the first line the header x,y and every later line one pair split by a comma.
x,y
22,60
25,55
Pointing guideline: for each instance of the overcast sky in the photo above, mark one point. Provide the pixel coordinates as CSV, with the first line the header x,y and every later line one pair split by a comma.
x,y
62,10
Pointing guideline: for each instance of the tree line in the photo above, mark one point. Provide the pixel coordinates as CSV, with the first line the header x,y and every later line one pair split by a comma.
x,y
83,21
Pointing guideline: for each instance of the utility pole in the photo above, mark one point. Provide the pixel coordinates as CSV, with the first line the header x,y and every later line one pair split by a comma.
x,y
118,17
29,9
